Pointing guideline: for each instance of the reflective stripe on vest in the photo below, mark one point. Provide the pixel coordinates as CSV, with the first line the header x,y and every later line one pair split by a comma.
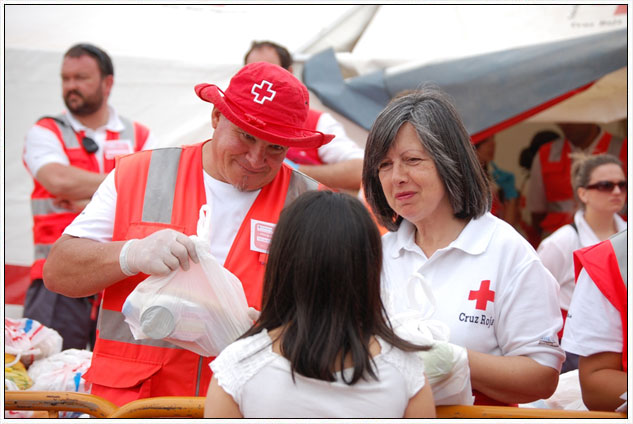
x,y
556,150
299,183
128,132
615,145
112,326
68,134
41,251
45,206
161,183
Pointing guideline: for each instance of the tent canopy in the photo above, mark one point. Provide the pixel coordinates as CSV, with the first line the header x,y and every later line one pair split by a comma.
x,y
501,63
491,90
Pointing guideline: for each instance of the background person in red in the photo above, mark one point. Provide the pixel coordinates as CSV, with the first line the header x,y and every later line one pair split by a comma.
x,y
68,156
337,164
550,198
129,231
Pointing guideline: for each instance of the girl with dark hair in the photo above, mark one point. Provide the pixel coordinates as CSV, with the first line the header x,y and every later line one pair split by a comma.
x,y
322,346
425,184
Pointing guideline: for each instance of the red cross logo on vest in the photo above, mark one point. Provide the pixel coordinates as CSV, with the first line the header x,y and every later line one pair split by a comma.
x,y
483,295
259,91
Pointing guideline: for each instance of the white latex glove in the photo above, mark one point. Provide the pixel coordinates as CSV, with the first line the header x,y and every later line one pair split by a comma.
x,y
157,254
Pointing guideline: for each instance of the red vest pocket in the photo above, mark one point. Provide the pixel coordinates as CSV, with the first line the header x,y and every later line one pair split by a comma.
x,y
117,372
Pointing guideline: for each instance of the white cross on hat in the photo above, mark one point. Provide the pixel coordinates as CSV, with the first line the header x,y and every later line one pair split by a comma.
x,y
260,87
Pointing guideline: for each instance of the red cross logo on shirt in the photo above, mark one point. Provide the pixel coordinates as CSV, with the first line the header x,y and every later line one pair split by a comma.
x,y
483,295
258,90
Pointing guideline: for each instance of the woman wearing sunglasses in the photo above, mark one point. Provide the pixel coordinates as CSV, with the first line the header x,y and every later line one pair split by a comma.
x,y
600,188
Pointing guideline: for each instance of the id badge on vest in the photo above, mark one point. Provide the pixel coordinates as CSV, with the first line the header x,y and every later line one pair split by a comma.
x,y
114,148
261,234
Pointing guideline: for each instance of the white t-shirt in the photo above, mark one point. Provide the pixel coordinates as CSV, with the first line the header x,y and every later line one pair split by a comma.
x,y
593,324
229,206
341,147
42,146
520,317
260,382
557,252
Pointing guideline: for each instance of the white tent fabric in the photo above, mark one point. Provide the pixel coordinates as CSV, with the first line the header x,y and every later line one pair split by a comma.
x,y
441,32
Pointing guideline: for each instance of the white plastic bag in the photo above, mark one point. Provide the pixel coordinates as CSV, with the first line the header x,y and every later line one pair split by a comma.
x,y
29,340
446,364
61,372
203,309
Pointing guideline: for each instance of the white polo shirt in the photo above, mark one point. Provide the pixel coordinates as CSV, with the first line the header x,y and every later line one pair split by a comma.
x,y
491,289
557,252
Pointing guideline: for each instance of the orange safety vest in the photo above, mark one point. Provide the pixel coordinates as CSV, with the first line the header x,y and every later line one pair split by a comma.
x,y
605,263
556,172
307,156
158,189
49,221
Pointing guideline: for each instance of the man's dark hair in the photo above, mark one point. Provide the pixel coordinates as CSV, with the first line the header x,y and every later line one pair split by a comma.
x,y
285,58
527,154
322,287
103,60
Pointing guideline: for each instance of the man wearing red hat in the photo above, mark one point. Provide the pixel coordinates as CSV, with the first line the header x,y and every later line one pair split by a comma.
x,y
131,230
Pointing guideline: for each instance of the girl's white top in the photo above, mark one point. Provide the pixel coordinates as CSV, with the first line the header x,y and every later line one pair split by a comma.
x,y
260,382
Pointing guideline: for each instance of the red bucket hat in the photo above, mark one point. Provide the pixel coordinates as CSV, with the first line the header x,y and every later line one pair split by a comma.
x,y
269,103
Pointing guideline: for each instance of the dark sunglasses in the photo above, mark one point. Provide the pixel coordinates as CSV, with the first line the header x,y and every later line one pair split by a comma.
x,y
607,186
89,144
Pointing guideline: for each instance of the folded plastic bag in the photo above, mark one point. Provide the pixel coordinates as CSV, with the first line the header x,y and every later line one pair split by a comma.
x,y
203,309
445,364
29,340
